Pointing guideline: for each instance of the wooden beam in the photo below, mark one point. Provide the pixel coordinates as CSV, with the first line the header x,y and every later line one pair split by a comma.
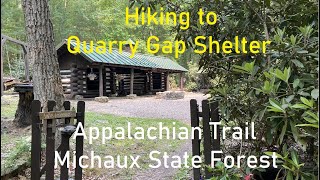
x,y
168,82
57,114
13,40
131,80
100,80
3,40
26,64
181,81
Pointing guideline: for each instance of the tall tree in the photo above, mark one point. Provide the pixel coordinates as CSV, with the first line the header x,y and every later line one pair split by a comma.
x,y
42,53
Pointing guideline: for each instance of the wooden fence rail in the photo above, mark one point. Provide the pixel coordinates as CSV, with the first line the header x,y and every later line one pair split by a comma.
x,y
208,114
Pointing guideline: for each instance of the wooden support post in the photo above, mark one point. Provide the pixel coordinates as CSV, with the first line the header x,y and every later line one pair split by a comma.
x,y
168,82
50,144
3,40
35,140
131,80
206,137
79,139
151,81
181,81
195,141
26,63
215,118
100,81
65,145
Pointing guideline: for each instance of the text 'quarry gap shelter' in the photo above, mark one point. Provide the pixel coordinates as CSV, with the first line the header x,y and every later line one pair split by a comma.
x,y
114,74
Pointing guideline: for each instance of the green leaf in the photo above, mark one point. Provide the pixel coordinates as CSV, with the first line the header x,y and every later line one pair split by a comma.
x,y
299,106
276,105
284,76
308,125
283,132
294,131
310,120
269,153
296,83
289,98
315,93
298,63
302,52
306,101
316,117
294,157
289,176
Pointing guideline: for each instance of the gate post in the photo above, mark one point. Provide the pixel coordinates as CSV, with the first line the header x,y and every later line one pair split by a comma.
x,y
206,137
35,140
79,140
50,144
214,106
195,140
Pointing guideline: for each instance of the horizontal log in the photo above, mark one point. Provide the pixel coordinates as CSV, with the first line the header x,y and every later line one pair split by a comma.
x,y
81,72
65,76
65,71
67,80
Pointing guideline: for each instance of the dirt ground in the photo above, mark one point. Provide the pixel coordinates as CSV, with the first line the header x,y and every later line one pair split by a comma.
x,y
151,107
148,107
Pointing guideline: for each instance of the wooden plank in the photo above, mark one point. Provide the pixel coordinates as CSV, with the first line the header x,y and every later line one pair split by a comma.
x,y
181,81
26,69
100,81
215,118
57,114
206,137
66,80
50,144
13,40
168,82
196,141
35,140
65,72
131,80
3,40
65,145
67,106
79,139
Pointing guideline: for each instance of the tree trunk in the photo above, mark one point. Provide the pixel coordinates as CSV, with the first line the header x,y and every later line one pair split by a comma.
x,y
42,54
23,113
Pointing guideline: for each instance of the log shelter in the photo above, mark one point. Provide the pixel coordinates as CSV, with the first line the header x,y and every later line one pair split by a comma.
x,y
114,74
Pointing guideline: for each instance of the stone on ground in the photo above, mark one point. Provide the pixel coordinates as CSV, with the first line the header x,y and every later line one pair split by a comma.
x,y
78,97
132,96
102,99
170,95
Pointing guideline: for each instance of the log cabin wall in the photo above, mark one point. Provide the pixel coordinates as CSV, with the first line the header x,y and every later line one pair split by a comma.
x,y
75,68
73,74
108,81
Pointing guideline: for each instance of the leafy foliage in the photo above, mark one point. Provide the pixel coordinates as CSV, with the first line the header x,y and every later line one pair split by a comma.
x,y
277,90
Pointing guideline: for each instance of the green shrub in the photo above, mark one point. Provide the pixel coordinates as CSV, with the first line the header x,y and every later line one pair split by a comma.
x,y
192,86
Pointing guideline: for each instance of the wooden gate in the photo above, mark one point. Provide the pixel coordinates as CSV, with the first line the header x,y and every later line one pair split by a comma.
x,y
208,114
46,121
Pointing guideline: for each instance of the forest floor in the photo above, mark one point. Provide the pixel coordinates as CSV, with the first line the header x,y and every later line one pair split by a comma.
x,y
142,111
